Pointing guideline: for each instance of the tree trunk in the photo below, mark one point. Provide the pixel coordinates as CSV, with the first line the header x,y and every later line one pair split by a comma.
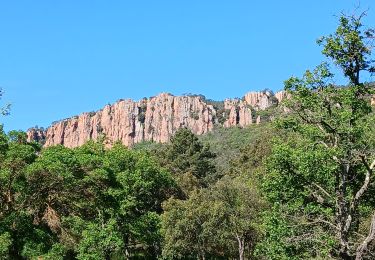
x,y
241,247
343,216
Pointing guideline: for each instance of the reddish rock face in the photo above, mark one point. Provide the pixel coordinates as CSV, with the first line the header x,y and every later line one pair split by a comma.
x,y
239,113
281,95
154,119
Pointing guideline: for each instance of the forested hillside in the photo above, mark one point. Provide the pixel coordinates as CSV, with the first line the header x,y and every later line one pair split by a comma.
x,y
299,185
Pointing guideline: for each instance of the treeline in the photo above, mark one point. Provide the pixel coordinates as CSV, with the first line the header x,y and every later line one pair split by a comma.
x,y
96,203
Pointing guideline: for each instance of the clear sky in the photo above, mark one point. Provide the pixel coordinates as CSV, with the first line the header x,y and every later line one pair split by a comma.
x,y
62,58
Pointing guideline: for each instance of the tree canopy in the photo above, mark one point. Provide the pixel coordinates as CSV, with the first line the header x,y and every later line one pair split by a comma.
x,y
89,202
320,176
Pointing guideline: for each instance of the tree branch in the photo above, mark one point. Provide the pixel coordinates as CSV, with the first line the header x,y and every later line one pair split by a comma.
x,y
366,183
361,250
322,190
360,192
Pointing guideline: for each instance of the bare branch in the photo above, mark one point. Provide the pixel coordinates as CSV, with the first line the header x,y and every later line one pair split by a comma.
x,y
323,143
366,182
360,192
322,190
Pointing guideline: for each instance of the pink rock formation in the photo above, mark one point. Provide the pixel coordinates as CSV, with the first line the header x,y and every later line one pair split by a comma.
x,y
239,113
260,100
258,120
281,95
154,119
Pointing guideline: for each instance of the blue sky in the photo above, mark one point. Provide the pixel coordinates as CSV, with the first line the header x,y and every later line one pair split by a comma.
x,y
61,58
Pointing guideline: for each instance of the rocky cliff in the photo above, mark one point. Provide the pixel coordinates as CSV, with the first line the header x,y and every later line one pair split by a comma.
x,y
155,119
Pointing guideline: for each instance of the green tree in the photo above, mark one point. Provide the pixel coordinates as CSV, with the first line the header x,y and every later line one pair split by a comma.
x,y
240,204
54,186
320,178
141,187
189,161
15,221
123,191
221,221
85,203
183,227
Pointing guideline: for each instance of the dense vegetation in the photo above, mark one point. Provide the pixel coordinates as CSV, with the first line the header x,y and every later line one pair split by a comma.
x,y
299,187
89,202
319,177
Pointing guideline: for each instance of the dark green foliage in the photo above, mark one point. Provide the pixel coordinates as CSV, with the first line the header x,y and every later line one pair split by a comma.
x,y
85,203
189,161
147,146
16,154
